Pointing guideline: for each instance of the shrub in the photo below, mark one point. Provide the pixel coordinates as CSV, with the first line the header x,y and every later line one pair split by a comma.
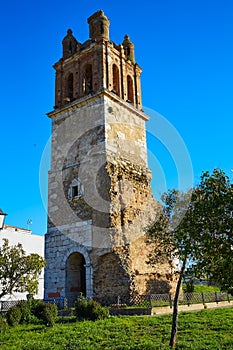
x,y
189,287
46,312
81,307
35,306
90,309
28,310
3,324
13,315
25,311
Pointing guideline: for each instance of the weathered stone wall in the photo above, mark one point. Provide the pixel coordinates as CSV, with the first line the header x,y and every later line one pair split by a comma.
x,y
150,279
110,277
59,245
77,140
125,132
108,220
100,199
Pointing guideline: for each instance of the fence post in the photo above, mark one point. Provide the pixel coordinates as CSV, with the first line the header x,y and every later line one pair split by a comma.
x,y
150,301
170,300
228,297
65,303
187,297
216,297
203,298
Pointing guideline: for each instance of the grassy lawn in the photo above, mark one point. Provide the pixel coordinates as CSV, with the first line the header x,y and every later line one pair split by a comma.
x,y
207,329
205,289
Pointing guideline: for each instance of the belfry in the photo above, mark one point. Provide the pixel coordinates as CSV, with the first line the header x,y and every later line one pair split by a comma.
x,y
99,196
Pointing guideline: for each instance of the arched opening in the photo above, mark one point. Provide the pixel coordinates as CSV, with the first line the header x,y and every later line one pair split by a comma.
x,y
70,47
101,28
116,83
127,52
130,89
70,87
75,277
87,79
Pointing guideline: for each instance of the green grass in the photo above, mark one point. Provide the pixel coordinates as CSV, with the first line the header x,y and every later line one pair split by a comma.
x,y
202,288
207,329
205,289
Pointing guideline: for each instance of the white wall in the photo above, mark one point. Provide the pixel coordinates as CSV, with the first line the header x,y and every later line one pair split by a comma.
x,y
31,244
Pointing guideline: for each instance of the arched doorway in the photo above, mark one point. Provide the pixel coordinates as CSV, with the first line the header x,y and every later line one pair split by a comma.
x,y
75,277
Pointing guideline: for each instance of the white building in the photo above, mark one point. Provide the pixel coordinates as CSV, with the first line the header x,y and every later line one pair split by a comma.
x,y
31,243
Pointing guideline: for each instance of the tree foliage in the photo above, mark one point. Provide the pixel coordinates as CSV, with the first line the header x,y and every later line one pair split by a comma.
x,y
211,223
196,228
18,272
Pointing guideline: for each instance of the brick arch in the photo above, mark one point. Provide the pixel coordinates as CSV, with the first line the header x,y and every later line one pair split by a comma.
x,y
70,86
130,89
87,78
116,79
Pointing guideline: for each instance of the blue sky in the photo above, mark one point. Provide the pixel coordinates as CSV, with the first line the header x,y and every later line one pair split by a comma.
x,y
185,49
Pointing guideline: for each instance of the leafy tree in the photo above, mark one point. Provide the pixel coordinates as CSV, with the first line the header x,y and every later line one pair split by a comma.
x,y
211,218
18,272
196,229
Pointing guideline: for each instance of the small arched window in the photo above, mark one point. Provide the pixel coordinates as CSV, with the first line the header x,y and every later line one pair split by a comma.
x,y
87,79
130,95
101,28
115,77
70,48
70,87
76,189
127,52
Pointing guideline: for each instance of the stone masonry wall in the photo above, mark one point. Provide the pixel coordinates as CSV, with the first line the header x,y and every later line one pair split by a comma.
x,y
107,223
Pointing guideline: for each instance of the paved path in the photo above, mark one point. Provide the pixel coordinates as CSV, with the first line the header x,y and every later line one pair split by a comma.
x,y
193,307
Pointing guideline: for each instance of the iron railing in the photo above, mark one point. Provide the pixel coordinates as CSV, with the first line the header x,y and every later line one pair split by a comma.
x,y
144,301
61,303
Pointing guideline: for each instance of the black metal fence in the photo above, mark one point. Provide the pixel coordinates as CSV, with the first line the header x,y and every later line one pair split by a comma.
x,y
60,302
158,300
6,305
144,301
135,300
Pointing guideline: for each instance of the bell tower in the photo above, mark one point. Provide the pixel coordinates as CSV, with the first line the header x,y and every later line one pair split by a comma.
x,y
99,197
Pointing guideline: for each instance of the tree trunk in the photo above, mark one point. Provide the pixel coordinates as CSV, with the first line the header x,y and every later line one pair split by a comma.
x,y
175,307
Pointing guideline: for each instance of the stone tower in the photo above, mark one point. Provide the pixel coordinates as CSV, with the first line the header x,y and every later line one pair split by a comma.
x,y
100,198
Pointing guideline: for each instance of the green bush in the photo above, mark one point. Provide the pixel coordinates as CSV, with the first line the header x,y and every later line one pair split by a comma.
x,y
25,311
188,287
3,324
35,306
13,315
81,307
90,309
46,312
32,311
